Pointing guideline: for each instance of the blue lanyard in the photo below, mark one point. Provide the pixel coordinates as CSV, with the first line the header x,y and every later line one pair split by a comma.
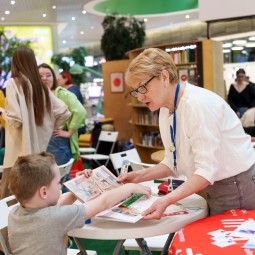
x,y
173,129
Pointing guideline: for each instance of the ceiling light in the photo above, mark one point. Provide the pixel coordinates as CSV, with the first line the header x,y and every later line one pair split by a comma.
x,y
73,18
44,15
82,32
226,50
239,42
12,2
227,45
237,48
145,20
64,41
252,38
250,44
187,16
84,12
7,12
54,7
2,19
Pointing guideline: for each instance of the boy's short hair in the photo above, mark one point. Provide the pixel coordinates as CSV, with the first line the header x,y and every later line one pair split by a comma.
x,y
30,173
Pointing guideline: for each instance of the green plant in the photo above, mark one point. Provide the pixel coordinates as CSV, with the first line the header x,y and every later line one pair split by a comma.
x,y
63,61
7,48
121,34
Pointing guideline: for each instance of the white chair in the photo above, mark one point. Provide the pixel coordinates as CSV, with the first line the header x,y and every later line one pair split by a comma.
x,y
65,170
76,252
155,243
104,148
5,210
127,157
136,165
132,157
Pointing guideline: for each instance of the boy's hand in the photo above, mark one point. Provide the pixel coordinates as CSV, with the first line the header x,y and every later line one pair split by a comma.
x,y
140,189
86,172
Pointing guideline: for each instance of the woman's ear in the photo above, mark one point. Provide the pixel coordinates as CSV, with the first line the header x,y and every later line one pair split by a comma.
x,y
165,76
43,192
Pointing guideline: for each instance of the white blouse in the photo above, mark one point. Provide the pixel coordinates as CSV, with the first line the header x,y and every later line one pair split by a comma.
x,y
210,140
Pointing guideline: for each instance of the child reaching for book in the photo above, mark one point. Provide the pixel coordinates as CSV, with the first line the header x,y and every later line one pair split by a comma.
x,y
40,223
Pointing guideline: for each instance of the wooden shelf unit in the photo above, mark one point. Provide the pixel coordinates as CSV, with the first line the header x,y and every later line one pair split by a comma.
x,y
201,62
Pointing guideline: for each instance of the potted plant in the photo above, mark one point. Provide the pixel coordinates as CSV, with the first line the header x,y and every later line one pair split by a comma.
x,y
121,34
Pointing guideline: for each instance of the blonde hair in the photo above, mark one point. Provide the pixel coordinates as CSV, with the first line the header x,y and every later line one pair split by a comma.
x,y
30,173
151,62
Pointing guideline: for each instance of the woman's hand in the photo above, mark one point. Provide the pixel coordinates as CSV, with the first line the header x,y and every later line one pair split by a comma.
x,y
86,172
63,133
156,210
129,177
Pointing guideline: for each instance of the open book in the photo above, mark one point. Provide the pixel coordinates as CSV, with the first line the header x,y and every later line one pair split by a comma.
x,y
129,210
86,189
101,180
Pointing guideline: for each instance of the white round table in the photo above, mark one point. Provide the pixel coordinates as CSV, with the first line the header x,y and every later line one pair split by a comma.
x,y
103,229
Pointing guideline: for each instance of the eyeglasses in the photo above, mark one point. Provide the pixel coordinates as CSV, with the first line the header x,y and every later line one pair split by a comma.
x,y
141,89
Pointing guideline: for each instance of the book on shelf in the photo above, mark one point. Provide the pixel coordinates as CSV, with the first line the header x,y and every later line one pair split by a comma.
x,y
102,180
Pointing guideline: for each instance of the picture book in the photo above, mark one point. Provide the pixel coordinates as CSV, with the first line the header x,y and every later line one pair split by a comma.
x,y
130,210
101,180
86,189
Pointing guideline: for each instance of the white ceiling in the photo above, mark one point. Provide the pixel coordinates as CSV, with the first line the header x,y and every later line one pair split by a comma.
x,y
30,12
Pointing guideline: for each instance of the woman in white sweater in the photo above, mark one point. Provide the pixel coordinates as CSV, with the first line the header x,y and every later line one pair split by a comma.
x,y
31,112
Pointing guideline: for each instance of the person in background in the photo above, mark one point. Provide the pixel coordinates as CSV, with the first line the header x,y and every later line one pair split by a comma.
x,y
2,129
241,95
64,142
2,105
40,223
31,112
247,79
202,136
65,80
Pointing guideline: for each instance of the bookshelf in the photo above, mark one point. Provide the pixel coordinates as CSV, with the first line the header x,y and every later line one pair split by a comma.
x,y
198,62
146,136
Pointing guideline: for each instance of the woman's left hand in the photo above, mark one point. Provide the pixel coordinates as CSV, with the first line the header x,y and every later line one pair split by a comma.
x,y
61,133
156,210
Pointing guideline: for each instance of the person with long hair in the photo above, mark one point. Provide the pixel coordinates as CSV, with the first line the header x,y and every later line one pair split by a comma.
x,y
31,112
65,80
241,95
64,141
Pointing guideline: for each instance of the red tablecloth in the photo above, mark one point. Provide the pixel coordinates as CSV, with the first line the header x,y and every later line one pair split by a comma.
x,y
195,240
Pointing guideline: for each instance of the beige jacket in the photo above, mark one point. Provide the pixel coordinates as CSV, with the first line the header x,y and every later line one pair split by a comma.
x,y
22,135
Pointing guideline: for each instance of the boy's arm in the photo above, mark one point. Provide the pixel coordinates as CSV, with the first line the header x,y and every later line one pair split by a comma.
x,y
67,199
112,197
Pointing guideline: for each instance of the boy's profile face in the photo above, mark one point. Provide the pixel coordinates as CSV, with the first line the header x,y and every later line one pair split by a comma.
x,y
53,189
